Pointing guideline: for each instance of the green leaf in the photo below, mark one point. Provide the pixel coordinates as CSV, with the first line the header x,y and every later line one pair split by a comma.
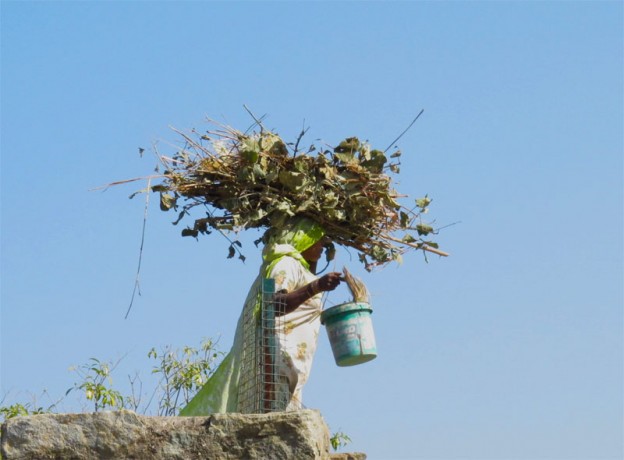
x,y
180,216
365,152
167,201
345,157
404,219
424,229
422,203
292,180
160,188
379,254
349,145
257,214
258,172
272,143
250,150
190,232
376,163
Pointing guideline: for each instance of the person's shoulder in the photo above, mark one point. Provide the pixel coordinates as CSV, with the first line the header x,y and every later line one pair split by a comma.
x,y
287,262
288,267
287,273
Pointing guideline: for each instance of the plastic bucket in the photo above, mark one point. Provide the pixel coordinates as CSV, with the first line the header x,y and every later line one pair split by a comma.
x,y
350,331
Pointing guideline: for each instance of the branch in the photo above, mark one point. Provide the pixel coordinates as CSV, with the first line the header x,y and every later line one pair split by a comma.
x,y
136,279
406,129
418,246
301,134
258,122
127,181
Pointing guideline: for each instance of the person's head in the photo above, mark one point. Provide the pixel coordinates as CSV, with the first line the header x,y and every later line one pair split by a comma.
x,y
314,252
299,236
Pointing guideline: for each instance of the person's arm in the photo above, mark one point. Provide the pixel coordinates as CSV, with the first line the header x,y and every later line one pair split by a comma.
x,y
287,302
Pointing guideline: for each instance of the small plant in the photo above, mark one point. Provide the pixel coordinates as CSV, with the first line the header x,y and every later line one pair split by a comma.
x,y
183,373
17,409
13,411
339,440
180,373
95,376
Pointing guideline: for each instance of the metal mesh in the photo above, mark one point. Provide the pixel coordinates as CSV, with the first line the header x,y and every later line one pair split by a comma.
x,y
261,388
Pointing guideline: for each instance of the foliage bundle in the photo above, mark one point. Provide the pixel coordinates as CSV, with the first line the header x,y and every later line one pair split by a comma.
x,y
244,180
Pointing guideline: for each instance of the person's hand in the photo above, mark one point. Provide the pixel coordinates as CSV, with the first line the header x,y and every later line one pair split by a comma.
x,y
330,281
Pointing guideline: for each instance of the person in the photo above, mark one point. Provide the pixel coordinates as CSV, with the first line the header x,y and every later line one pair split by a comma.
x,y
289,257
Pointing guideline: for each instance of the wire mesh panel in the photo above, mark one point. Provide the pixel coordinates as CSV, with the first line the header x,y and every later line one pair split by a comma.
x,y
261,388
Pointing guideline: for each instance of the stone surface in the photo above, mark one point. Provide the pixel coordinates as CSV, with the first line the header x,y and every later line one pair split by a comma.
x,y
348,456
126,435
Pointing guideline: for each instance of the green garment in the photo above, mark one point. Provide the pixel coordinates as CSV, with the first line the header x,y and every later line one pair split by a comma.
x,y
221,392
291,241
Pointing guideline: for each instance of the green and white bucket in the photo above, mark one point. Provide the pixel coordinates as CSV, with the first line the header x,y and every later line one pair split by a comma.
x,y
350,331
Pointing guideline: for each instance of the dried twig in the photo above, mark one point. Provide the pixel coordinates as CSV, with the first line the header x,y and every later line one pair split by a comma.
x,y
406,130
356,286
301,134
137,289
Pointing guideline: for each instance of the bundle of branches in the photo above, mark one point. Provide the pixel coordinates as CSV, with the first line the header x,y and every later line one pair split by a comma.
x,y
256,180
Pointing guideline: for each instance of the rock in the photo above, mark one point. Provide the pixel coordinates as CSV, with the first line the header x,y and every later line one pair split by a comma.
x,y
126,435
348,456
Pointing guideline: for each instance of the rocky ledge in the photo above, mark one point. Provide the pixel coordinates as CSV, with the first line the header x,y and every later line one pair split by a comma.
x,y
126,435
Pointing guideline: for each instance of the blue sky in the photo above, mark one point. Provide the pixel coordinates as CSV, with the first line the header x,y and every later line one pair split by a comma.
x,y
510,348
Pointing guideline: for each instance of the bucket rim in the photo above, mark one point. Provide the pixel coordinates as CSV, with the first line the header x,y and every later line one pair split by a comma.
x,y
345,307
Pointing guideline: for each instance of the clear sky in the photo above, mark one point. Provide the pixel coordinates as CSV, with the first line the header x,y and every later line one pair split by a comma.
x,y
510,348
